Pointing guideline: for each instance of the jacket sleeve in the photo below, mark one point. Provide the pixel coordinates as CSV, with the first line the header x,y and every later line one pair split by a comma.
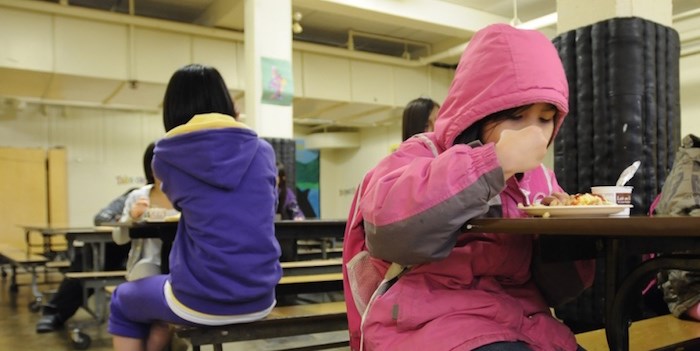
x,y
415,202
120,236
291,206
681,290
112,212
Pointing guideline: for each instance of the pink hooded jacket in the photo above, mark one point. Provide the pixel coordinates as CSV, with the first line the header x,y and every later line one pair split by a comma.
x,y
463,291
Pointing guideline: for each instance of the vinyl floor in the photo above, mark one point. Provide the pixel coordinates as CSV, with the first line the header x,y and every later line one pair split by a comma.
x,y
17,326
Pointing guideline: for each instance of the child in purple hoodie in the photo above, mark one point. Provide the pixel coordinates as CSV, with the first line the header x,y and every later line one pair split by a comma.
x,y
224,263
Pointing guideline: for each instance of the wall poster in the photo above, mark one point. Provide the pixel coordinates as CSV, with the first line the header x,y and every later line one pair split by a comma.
x,y
277,82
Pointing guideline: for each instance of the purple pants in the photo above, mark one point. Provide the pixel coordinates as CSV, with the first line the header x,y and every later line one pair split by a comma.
x,y
138,304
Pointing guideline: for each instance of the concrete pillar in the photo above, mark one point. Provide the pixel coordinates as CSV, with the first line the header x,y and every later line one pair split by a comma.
x,y
268,57
576,13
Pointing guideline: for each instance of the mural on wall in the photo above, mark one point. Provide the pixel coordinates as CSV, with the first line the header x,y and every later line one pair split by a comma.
x,y
278,86
307,178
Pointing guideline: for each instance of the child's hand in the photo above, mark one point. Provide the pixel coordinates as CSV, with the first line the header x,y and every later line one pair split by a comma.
x,y
138,208
521,150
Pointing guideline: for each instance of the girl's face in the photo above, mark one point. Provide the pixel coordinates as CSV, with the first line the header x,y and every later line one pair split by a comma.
x,y
431,120
540,115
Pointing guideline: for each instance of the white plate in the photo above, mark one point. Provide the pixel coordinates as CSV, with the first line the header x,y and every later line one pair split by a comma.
x,y
173,218
574,211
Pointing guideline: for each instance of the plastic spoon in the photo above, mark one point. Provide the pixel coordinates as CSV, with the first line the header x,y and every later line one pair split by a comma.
x,y
628,173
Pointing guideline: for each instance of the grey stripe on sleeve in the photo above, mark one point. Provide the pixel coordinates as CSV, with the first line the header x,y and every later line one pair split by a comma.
x,y
431,234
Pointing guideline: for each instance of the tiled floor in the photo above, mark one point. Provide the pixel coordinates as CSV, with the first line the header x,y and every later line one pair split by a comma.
x,y
17,327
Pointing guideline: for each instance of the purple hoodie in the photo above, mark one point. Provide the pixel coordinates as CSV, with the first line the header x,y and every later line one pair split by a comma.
x,y
221,176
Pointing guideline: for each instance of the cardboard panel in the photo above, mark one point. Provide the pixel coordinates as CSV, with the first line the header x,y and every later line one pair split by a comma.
x,y
371,83
89,48
26,40
326,77
23,189
159,53
220,54
58,192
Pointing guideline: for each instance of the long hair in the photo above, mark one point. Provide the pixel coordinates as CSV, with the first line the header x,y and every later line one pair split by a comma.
x,y
147,160
281,189
195,89
415,116
476,130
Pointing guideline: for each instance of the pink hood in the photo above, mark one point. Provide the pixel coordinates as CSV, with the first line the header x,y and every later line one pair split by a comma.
x,y
498,71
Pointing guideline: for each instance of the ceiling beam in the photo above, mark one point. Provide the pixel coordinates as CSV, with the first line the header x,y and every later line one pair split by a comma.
x,y
317,112
363,113
223,13
425,15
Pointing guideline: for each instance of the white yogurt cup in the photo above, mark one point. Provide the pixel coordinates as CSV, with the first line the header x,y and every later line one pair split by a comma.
x,y
618,195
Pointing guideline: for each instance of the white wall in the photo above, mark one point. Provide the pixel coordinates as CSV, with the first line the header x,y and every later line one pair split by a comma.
x,y
690,95
105,149
343,169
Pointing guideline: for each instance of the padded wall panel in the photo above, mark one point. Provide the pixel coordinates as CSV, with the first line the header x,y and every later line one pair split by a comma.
x,y
624,106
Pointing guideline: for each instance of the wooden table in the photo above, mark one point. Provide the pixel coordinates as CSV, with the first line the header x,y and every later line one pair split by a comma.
x,y
616,239
94,237
47,233
284,230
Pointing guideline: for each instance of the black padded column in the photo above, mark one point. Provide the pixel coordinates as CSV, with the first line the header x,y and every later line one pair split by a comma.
x,y
624,106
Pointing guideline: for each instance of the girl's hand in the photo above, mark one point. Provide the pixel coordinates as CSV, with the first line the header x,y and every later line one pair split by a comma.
x,y
138,208
521,150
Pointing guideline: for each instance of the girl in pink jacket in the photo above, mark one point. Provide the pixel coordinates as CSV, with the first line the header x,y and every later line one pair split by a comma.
x,y
447,290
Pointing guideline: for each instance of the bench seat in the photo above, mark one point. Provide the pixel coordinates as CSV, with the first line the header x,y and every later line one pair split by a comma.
x,y
60,265
97,281
281,322
310,283
649,334
333,265
96,275
16,257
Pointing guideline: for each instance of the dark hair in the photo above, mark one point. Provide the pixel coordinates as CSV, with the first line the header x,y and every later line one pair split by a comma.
x,y
474,132
147,160
281,188
415,116
195,89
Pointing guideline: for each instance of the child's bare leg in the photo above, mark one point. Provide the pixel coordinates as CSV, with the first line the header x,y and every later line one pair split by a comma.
x,y
159,337
122,343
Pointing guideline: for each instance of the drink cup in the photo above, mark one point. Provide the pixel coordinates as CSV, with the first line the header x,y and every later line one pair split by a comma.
x,y
618,195
155,214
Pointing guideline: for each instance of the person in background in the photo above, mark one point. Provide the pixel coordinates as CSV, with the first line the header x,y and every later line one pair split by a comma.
x,y
287,206
419,116
69,295
448,290
681,290
287,209
224,263
144,256
113,211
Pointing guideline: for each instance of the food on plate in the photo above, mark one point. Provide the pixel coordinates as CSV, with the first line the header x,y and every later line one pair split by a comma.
x,y
585,199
